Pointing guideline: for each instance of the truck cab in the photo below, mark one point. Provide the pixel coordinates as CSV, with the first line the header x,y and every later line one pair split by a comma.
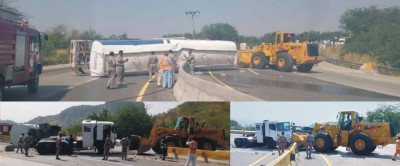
x,y
268,132
94,134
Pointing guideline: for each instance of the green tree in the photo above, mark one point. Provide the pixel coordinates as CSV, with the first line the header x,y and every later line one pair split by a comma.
x,y
104,115
91,34
4,5
388,113
73,129
133,120
220,31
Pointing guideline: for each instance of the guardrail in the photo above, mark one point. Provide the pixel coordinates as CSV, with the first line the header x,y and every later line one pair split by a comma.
x,y
205,154
192,88
287,158
357,66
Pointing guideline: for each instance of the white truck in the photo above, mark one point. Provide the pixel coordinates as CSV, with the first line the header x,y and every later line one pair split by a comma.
x,y
94,134
268,132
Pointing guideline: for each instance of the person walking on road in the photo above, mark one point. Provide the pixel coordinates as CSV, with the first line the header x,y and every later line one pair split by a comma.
x,y
71,145
27,143
107,146
125,145
164,147
167,66
190,62
282,142
111,70
309,144
192,156
397,152
121,67
58,146
21,143
153,61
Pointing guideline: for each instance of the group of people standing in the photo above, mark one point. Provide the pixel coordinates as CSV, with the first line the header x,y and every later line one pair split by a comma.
x,y
116,69
24,143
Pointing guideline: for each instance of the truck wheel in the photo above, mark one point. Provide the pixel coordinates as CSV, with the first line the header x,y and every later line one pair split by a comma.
x,y
361,144
33,84
323,143
238,142
156,148
100,149
258,60
207,144
271,144
305,68
2,85
284,62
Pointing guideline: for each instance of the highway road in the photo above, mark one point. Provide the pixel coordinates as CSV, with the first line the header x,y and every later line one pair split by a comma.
x,y
89,158
325,83
62,85
262,156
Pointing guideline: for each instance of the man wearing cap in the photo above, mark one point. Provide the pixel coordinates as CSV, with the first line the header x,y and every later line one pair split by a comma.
x,y
125,145
153,61
282,142
309,144
121,67
27,143
111,70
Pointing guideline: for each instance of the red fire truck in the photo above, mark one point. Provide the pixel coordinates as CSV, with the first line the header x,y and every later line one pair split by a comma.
x,y
20,46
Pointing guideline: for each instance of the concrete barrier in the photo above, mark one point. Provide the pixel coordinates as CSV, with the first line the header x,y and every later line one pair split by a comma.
x,y
288,158
191,88
205,154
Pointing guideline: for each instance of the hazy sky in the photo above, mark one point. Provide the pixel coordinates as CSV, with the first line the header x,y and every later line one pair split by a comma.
x,y
24,111
301,113
154,18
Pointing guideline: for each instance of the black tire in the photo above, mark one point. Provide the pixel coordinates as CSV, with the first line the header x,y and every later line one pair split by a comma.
x,y
42,148
171,142
373,148
284,62
238,142
2,86
156,148
33,84
305,68
271,144
207,144
100,149
361,144
323,143
258,60
333,148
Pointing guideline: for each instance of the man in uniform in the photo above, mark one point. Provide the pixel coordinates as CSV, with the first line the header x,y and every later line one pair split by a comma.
x,y
27,142
190,62
58,146
164,147
71,145
153,61
125,145
397,152
111,70
21,143
172,56
107,146
192,156
309,144
121,67
282,142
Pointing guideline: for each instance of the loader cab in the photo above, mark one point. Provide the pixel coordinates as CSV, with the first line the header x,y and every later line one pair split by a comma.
x,y
284,37
347,120
186,124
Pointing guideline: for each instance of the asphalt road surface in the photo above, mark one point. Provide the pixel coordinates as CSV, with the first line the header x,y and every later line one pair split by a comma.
x,y
89,158
62,85
262,156
323,84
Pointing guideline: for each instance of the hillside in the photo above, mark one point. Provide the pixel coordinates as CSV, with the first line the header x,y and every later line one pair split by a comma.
x,y
216,114
75,114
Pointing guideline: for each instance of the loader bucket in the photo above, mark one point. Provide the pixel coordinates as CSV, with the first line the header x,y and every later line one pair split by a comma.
x,y
300,139
243,59
144,145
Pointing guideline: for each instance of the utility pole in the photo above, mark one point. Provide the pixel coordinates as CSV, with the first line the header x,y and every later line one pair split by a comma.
x,y
193,14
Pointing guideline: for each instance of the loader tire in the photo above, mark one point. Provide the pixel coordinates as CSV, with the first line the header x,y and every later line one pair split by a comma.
x,y
361,144
258,60
334,148
284,62
373,148
33,84
207,144
305,68
323,143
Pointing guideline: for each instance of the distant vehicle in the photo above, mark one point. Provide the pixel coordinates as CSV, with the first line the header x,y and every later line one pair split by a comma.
x,y
20,47
340,41
38,132
79,56
48,145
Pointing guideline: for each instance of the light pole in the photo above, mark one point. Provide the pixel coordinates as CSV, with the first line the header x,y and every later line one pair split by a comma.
x,y
192,13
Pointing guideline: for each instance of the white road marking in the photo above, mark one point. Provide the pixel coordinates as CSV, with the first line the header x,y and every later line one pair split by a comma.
x,y
253,72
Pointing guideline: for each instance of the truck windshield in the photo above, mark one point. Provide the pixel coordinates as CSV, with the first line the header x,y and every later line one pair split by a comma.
x,y
284,126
